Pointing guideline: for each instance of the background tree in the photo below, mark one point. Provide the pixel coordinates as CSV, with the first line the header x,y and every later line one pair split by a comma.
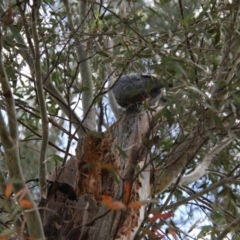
x,y
132,168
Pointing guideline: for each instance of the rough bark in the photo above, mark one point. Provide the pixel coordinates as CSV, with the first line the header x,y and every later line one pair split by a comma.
x,y
74,209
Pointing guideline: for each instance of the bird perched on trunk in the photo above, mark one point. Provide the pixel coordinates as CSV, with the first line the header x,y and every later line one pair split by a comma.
x,y
134,88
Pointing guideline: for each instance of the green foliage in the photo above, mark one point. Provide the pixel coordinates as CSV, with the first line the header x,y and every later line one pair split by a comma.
x,y
182,45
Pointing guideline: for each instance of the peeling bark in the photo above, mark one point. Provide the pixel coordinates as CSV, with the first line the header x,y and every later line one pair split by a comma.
x,y
84,216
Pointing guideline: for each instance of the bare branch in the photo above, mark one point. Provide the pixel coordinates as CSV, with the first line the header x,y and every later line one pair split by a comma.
x,y
41,98
10,143
201,169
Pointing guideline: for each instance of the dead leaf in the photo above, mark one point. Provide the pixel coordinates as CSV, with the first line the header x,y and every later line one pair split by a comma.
x,y
8,190
106,199
25,204
113,205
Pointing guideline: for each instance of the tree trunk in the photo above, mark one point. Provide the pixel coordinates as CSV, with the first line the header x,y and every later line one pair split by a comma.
x,y
102,166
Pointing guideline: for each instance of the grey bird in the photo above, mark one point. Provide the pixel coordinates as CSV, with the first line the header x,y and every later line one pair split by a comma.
x,y
134,88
